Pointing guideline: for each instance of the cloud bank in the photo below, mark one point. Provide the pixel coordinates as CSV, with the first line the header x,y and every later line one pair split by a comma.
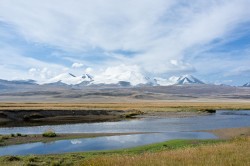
x,y
161,37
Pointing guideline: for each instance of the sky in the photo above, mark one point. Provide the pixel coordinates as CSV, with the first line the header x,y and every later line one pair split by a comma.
x,y
210,39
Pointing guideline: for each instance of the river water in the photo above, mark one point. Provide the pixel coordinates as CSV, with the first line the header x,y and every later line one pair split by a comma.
x,y
169,128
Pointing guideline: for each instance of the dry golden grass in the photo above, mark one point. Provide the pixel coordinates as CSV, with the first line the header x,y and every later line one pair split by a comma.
x,y
142,106
230,132
236,152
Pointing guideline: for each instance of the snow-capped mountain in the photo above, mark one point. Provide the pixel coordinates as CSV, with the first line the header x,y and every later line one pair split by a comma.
x,y
113,75
166,82
126,78
188,79
70,79
247,84
87,77
182,80
150,81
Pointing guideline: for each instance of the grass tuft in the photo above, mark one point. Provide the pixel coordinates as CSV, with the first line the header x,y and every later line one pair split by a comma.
x,y
49,133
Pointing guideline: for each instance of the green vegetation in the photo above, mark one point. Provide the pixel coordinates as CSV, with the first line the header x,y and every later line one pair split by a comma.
x,y
19,134
175,152
235,152
49,133
133,113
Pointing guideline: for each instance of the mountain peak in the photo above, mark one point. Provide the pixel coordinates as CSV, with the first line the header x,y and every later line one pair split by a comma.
x,y
70,79
247,84
188,79
87,76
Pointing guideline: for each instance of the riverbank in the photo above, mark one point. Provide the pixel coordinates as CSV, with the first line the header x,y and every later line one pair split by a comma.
x,y
175,152
33,114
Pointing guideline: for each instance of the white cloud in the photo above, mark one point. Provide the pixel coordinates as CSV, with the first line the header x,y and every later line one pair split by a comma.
x,y
160,32
77,65
89,70
15,66
111,75
75,141
42,73
167,81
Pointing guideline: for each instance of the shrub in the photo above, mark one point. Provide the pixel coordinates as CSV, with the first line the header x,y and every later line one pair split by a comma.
x,y
49,133
5,137
32,116
12,135
12,158
32,158
55,163
19,134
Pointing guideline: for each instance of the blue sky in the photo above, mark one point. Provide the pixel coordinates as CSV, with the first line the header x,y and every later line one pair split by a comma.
x,y
209,39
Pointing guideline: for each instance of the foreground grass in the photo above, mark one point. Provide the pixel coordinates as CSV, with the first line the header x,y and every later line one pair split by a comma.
x,y
176,152
230,153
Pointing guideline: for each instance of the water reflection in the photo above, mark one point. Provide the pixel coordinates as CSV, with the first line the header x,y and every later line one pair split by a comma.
x,y
170,128
100,143
222,119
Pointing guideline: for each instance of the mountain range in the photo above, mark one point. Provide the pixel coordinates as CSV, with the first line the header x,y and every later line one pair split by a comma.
x,y
87,80
132,80
69,87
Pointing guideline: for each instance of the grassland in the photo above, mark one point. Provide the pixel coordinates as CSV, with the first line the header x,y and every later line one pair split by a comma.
x,y
175,152
234,152
142,106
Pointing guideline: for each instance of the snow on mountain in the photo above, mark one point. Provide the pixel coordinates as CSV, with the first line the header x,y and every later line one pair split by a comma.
x,y
87,77
247,84
113,75
150,81
122,75
165,82
183,80
188,79
69,79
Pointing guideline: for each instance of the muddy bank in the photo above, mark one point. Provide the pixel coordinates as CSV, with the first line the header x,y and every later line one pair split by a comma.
x,y
15,139
21,115
9,118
